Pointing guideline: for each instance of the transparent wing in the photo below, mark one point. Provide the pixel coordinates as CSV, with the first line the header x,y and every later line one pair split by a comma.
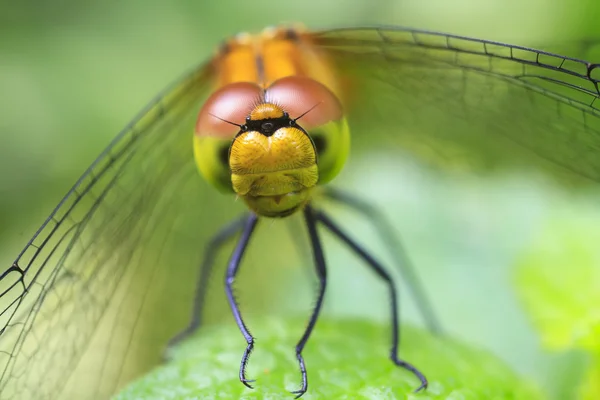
x,y
96,294
76,302
471,104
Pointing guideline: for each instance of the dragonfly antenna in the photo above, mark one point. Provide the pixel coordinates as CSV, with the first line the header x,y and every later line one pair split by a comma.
x,y
229,122
306,112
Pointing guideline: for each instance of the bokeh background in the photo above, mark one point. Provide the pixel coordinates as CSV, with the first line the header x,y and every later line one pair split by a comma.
x,y
73,73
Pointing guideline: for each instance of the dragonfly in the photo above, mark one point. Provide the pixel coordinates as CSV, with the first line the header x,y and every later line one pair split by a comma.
x,y
270,119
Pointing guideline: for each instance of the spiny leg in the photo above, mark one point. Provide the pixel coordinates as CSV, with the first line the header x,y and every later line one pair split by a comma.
x,y
319,259
232,270
212,247
394,244
382,273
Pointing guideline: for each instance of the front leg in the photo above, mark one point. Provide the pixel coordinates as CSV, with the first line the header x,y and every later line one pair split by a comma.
x,y
319,259
232,270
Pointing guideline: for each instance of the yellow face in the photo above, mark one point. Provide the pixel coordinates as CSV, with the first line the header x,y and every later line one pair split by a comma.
x,y
271,161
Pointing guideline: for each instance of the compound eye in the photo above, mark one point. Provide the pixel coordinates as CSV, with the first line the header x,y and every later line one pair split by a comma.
x,y
298,94
230,103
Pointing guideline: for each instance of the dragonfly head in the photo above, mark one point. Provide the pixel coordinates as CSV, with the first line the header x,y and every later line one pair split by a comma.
x,y
271,146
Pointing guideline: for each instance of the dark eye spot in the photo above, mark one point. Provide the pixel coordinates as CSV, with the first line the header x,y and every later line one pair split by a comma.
x,y
320,143
224,155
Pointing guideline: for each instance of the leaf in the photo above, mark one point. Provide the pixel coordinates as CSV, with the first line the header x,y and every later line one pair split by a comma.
x,y
345,359
558,281
590,389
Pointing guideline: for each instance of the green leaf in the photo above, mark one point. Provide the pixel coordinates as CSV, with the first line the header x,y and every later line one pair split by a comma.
x,y
590,389
345,359
558,281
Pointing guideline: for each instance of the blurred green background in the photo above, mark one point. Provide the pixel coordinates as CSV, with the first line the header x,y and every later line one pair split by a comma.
x,y
73,73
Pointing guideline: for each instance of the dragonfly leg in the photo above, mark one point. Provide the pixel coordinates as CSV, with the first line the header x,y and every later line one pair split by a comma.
x,y
393,242
232,270
383,274
212,247
319,260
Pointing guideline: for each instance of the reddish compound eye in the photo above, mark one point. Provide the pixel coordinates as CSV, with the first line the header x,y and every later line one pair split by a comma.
x,y
297,94
231,103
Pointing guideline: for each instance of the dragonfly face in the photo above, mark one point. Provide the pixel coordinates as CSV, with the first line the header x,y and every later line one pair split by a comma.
x,y
270,116
249,136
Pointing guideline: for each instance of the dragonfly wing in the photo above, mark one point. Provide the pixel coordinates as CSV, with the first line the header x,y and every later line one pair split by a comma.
x,y
88,281
465,103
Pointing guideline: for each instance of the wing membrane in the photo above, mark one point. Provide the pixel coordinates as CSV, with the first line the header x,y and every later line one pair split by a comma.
x,y
85,272
468,103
